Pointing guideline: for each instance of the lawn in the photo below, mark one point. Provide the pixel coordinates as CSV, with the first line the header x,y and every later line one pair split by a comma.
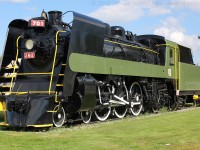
x,y
170,131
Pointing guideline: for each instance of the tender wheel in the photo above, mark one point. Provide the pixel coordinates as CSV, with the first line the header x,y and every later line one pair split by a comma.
x,y
181,102
102,114
136,99
58,116
156,106
120,111
86,116
172,103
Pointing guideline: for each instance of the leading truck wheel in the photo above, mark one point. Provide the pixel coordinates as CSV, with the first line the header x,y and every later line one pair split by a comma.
x,y
58,116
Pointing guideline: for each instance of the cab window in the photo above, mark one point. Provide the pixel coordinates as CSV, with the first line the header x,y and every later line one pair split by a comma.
x,y
171,57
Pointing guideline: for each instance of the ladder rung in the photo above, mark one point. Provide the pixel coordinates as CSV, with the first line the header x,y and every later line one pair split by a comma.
x,y
9,67
30,92
61,74
7,76
64,64
39,73
6,86
59,84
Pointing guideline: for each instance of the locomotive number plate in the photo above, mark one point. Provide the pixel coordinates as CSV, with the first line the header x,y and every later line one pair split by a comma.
x,y
29,55
37,23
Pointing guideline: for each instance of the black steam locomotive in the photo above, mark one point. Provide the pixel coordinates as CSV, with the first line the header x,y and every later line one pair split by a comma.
x,y
52,70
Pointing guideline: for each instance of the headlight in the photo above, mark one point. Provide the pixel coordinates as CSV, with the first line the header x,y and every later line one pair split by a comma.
x,y
29,44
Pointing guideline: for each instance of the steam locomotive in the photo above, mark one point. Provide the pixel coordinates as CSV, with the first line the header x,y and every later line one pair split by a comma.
x,y
51,71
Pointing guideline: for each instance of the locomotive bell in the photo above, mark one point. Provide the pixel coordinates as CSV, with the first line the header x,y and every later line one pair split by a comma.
x,y
44,14
55,17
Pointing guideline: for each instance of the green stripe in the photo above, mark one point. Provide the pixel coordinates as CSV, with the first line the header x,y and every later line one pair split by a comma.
x,y
102,65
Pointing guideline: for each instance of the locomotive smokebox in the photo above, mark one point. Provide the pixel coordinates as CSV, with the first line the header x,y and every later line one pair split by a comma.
x,y
55,17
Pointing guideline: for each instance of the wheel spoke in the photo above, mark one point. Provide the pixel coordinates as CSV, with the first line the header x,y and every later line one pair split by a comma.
x,y
172,105
102,114
86,116
58,116
136,97
120,111
155,109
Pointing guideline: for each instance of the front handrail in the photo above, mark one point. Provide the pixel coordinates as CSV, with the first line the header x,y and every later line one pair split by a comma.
x,y
54,60
16,58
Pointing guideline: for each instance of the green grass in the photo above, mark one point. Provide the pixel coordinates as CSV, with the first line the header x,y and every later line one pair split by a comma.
x,y
166,131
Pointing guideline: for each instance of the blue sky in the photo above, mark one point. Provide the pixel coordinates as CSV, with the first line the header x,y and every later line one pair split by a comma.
x,y
177,20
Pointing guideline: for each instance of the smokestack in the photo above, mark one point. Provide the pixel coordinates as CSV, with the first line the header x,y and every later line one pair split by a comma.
x,y
55,17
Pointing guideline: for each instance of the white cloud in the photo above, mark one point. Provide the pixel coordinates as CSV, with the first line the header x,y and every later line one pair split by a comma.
x,y
171,29
154,11
191,4
15,1
117,12
128,10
